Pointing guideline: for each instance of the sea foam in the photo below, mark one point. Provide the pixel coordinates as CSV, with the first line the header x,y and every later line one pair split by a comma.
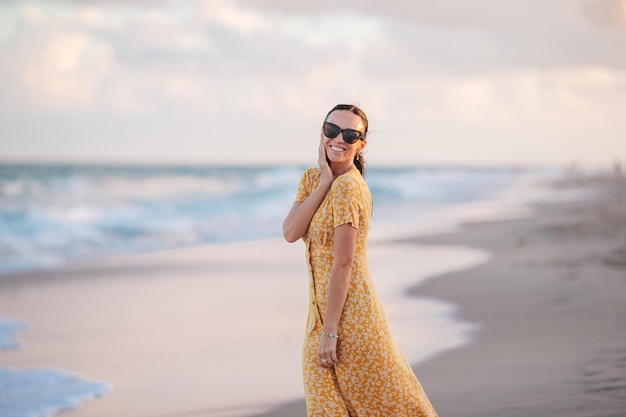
x,y
54,214
8,328
39,392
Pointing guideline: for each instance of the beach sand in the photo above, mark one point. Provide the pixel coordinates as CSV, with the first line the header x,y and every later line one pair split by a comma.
x,y
209,331
550,305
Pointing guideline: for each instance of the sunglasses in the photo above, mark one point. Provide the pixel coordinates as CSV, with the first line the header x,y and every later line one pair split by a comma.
x,y
350,136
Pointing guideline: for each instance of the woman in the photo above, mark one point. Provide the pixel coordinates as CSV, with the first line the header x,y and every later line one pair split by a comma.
x,y
352,365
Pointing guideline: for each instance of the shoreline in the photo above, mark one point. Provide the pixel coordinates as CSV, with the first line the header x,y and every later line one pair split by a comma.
x,y
553,300
551,303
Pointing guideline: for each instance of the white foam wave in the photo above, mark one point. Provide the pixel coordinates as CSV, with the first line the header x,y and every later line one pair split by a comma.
x,y
44,392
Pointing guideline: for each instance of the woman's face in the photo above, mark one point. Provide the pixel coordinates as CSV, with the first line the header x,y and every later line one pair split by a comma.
x,y
337,150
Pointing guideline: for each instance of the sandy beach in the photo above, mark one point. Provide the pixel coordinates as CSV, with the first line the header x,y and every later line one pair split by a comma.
x,y
551,302
211,331
544,313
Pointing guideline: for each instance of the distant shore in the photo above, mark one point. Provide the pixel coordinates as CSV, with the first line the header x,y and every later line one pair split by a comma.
x,y
552,306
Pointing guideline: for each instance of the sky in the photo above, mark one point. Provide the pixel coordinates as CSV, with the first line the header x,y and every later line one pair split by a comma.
x,y
471,82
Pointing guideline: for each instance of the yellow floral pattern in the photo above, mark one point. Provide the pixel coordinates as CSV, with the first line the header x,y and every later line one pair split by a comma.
x,y
372,378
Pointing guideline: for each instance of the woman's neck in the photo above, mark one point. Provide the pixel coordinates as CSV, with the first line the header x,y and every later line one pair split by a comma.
x,y
340,168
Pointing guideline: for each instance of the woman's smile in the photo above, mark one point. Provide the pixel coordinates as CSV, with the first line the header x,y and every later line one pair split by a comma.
x,y
337,148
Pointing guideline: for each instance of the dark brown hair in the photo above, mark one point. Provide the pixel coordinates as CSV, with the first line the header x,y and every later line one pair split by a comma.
x,y
359,161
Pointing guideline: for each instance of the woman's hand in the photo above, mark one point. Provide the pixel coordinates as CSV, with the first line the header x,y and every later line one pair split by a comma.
x,y
327,351
327,174
299,218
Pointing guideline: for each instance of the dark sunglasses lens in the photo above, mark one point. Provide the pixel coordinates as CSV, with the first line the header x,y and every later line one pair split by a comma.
x,y
351,136
330,130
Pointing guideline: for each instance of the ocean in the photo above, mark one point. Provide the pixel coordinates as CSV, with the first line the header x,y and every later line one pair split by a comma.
x,y
52,215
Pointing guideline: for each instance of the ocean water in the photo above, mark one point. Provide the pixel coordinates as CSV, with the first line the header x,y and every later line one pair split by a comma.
x,y
8,328
39,392
44,392
52,215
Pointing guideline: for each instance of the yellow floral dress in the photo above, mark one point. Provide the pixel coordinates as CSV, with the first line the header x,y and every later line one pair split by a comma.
x,y
372,378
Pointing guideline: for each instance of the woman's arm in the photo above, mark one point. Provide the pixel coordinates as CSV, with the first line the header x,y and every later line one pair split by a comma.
x,y
297,221
344,247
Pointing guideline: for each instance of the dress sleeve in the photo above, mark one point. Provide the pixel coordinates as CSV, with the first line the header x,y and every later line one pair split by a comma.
x,y
305,188
346,202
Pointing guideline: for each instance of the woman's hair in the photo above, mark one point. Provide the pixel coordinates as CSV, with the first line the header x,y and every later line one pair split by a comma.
x,y
359,161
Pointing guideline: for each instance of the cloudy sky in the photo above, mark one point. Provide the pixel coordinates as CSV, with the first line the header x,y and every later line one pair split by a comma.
x,y
249,81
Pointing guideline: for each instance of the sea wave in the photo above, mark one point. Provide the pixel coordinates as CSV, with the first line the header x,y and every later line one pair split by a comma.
x,y
54,214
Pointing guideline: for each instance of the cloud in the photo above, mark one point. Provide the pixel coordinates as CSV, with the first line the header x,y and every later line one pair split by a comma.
x,y
52,66
526,115
447,14
478,36
249,81
606,13
443,12
32,16
148,61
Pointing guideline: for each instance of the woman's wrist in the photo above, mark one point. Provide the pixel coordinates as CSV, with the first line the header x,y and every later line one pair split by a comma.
x,y
330,329
325,184
331,335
